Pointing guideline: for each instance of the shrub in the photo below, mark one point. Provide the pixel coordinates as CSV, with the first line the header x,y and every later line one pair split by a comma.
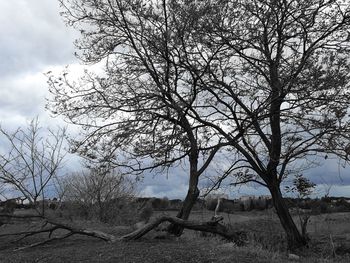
x,y
211,203
100,193
146,212
175,204
160,203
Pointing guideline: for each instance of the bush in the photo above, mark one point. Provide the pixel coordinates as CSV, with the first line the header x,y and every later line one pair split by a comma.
x,y
324,207
175,204
228,206
118,212
146,213
100,193
211,203
160,203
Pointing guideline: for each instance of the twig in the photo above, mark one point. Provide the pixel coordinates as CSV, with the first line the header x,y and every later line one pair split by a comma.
x,y
332,244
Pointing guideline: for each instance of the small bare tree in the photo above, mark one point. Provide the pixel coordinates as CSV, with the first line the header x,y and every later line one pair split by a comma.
x,y
100,191
28,166
31,160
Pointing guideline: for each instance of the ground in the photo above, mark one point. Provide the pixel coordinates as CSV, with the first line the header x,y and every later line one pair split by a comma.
x,y
330,242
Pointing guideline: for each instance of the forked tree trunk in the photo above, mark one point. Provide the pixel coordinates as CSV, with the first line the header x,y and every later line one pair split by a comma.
x,y
188,203
294,237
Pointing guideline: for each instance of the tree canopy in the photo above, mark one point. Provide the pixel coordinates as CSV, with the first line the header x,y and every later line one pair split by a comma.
x,y
266,81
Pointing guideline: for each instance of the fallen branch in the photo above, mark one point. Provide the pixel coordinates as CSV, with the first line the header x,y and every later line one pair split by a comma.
x,y
44,242
212,226
50,226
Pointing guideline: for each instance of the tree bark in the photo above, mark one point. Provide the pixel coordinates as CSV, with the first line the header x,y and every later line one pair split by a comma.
x,y
294,237
212,227
188,203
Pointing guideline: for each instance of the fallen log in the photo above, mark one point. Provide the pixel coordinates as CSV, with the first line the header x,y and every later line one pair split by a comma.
x,y
50,226
212,226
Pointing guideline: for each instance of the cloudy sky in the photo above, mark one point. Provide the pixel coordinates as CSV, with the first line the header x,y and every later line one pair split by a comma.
x,y
35,40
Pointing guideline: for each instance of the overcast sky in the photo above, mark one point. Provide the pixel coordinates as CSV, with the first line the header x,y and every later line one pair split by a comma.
x,y
35,40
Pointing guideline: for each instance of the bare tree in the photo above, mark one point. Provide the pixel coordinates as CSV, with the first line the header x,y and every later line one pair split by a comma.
x,y
100,190
266,80
282,75
31,158
146,117
31,161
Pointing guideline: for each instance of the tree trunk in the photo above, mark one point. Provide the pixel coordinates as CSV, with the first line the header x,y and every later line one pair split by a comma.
x,y
294,238
191,197
213,226
184,213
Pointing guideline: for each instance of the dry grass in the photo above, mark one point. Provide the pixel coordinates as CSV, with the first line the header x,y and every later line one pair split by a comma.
x,y
330,235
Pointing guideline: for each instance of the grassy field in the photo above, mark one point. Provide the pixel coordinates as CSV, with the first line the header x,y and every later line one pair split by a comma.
x,y
330,242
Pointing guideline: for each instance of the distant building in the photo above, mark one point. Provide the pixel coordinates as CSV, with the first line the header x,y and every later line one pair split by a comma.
x,y
217,196
249,202
246,197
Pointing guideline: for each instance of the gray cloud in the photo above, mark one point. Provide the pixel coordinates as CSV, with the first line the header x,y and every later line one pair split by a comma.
x,y
24,94
175,184
172,185
34,40
33,36
330,172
